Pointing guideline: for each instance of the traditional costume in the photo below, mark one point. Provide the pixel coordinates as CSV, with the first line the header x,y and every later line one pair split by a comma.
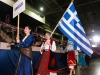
x,y
24,66
71,57
48,63
81,59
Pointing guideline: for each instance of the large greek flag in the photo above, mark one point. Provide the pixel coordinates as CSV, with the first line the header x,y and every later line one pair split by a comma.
x,y
71,27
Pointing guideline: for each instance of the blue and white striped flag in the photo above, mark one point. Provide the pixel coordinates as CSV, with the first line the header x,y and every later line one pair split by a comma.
x,y
71,27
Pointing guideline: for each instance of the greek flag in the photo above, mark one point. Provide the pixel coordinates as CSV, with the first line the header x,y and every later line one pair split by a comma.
x,y
71,27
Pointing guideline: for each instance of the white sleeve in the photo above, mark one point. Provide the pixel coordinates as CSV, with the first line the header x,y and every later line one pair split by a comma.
x,y
41,46
53,47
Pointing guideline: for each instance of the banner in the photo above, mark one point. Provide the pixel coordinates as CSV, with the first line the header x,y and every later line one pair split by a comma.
x,y
18,7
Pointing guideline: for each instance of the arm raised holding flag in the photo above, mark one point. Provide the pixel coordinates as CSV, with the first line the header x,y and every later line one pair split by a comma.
x,y
70,25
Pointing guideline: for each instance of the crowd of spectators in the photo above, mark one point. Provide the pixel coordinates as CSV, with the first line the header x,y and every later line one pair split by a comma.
x,y
1,39
11,31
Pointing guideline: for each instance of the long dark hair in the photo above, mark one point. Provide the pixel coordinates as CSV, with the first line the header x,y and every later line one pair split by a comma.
x,y
29,27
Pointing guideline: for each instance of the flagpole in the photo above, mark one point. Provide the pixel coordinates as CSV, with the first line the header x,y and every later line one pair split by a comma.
x,y
18,25
58,22
54,30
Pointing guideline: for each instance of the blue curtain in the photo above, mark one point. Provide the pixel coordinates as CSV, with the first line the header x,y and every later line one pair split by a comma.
x,y
9,59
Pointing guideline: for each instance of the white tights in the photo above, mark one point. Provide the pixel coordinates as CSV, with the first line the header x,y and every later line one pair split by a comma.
x,y
53,73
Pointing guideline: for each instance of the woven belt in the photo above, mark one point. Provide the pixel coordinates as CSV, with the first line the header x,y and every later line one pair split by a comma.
x,y
27,52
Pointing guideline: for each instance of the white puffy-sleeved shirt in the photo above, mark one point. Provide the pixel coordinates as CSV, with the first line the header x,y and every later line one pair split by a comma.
x,y
47,47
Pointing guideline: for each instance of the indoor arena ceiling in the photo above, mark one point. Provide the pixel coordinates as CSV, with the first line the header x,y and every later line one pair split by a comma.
x,y
88,11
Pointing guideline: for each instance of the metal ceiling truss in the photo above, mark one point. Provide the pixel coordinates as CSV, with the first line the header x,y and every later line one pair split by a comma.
x,y
56,10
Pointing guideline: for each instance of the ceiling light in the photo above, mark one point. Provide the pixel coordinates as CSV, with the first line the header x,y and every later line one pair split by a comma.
x,y
96,39
90,39
94,45
41,8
